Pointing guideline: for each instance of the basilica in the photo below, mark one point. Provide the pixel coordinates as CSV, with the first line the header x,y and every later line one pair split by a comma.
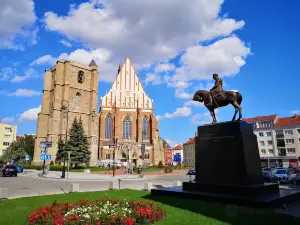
x,y
126,114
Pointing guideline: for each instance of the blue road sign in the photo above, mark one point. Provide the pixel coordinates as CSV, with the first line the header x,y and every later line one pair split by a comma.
x,y
46,157
43,152
27,157
177,158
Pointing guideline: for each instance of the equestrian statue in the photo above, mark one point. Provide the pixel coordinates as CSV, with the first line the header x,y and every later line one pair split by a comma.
x,y
218,97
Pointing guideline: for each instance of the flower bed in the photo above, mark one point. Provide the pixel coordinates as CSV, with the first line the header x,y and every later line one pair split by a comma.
x,y
100,212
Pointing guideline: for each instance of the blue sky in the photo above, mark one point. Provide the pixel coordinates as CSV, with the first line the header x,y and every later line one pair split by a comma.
x,y
253,45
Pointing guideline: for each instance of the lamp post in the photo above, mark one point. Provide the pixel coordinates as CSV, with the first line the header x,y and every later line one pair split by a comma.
x,y
66,109
114,153
143,149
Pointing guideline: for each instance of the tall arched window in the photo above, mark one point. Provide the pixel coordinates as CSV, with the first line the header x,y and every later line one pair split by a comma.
x,y
127,127
77,98
107,156
145,128
108,127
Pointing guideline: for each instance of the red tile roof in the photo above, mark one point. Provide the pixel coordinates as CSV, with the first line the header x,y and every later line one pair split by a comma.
x,y
177,147
288,121
190,141
260,118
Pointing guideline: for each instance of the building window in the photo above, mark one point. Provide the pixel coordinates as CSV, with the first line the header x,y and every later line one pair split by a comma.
x,y
269,133
6,143
77,98
80,77
298,131
271,151
289,141
7,137
263,151
147,156
107,155
288,132
281,152
127,127
8,129
299,139
261,134
262,143
291,150
108,127
145,128
270,142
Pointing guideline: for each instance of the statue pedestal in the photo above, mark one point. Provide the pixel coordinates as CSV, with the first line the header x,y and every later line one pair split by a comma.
x,y
228,168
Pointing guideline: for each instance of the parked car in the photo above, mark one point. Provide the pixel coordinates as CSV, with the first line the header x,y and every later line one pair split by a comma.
x,y
8,170
19,168
281,174
191,172
268,175
293,175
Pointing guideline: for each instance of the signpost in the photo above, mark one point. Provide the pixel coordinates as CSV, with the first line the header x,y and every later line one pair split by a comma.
x,y
44,156
177,158
27,157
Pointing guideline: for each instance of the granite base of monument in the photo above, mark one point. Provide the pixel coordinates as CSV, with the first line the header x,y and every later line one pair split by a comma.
x,y
228,169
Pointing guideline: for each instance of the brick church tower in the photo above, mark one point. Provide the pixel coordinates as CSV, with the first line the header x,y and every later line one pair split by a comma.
x,y
70,90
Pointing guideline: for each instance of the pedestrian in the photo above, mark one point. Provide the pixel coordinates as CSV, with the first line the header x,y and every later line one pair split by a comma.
x,y
108,166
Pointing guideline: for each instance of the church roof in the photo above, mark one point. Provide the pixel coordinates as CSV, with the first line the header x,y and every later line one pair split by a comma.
x,y
93,63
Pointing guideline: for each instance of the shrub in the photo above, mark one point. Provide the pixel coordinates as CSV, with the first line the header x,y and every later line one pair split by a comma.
x,y
160,164
57,168
51,163
102,212
35,167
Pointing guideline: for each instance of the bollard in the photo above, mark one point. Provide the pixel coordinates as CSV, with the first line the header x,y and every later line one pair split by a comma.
x,y
177,183
148,186
113,185
3,193
74,187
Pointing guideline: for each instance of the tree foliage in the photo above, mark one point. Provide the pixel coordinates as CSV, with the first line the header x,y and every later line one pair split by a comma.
x,y
77,144
19,149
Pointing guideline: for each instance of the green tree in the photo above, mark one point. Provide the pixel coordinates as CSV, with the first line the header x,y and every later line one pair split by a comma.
x,y
78,144
14,151
27,143
61,151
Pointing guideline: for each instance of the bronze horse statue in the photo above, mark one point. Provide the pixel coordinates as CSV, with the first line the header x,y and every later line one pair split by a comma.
x,y
226,97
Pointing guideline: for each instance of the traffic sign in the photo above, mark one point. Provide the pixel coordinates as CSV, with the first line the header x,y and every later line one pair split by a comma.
x,y
46,157
43,152
47,144
27,157
177,158
111,146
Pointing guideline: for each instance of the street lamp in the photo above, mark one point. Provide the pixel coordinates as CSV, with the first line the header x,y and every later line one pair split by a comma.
x,y
114,153
66,109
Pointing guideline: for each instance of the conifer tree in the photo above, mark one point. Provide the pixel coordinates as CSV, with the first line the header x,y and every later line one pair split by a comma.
x,y
78,144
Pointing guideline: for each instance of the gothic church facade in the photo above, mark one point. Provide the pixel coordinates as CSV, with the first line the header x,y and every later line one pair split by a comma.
x,y
126,113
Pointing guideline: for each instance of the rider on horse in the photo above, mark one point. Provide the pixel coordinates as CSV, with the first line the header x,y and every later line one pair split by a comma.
x,y
217,90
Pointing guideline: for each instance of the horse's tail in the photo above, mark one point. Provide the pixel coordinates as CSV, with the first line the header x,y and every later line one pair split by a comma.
x,y
239,98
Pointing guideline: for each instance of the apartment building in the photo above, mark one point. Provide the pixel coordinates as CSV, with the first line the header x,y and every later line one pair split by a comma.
x,y
189,152
278,139
7,136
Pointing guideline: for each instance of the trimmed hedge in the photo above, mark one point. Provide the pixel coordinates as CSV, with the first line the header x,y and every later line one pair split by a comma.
x,y
39,167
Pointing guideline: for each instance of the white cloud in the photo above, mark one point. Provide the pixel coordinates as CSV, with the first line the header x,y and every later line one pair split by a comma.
x,y
193,103
295,112
153,78
180,93
28,74
30,114
46,59
164,67
224,57
25,93
131,28
66,43
5,73
204,118
7,120
180,112
17,23
234,90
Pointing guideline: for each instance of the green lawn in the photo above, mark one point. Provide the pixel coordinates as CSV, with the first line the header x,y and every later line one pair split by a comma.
x,y
92,169
179,211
